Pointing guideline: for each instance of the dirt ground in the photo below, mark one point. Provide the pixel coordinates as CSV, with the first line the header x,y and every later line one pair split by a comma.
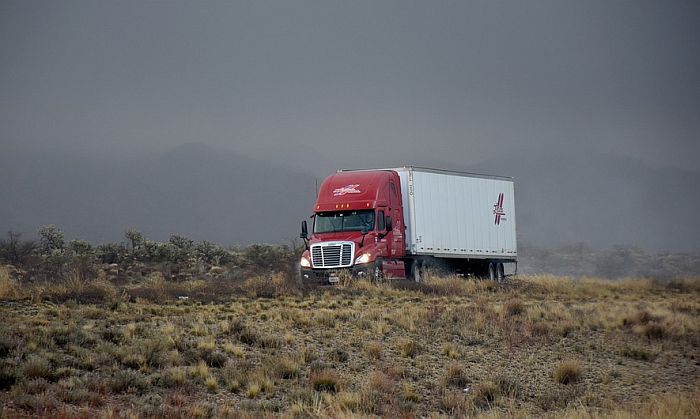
x,y
531,347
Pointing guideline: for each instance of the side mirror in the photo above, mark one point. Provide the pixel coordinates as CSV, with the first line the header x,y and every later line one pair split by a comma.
x,y
304,230
388,223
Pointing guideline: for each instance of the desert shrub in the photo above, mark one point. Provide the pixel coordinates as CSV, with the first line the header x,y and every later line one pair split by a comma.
x,y
8,376
568,371
215,359
637,352
75,391
38,367
126,381
174,377
109,253
7,344
266,259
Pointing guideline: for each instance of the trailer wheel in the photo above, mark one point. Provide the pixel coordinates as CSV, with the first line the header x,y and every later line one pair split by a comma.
x,y
500,272
416,271
492,271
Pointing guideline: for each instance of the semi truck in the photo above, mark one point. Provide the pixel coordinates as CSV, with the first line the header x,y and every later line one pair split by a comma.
x,y
399,222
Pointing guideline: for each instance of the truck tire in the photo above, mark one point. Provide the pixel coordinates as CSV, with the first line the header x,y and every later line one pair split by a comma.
x,y
500,272
417,271
377,274
491,273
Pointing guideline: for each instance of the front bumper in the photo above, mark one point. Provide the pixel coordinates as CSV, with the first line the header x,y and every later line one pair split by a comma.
x,y
330,276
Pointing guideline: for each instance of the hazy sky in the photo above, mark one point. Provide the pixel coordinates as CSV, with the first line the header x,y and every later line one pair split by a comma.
x,y
460,80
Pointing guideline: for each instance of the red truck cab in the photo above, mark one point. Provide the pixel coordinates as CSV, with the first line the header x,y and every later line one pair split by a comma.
x,y
357,225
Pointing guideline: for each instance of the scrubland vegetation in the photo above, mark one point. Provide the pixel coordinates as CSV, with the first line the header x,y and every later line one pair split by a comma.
x,y
240,337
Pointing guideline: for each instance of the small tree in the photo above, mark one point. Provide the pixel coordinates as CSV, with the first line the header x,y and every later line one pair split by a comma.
x,y
135,237
15,251
51,239
53,252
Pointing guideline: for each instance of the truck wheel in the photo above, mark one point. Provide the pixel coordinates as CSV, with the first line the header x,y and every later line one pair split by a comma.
x,y
500,272
416,271
492,271
378,271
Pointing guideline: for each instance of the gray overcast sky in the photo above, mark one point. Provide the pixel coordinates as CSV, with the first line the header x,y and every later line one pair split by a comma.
x,y
461,80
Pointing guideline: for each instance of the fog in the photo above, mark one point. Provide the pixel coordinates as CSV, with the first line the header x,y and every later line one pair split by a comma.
x,y
188,117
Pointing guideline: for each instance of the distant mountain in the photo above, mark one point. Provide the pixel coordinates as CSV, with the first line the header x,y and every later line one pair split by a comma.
x,y
601,199
194,190
227,198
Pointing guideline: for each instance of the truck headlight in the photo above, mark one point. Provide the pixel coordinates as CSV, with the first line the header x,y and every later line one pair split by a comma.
x,y
305,263
363,258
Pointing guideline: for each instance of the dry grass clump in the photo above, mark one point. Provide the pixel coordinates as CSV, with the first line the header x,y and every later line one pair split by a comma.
x,y
455,286
271,286
325,379
485,394
637,352
514,307
652,331
37,366
409,392
408,347
568,371
211,383
451,350
638,318
9,288
374,350
455,404
236,350
455,376
285,368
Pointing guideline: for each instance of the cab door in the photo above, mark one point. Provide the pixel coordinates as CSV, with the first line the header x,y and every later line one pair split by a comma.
x,y
396,235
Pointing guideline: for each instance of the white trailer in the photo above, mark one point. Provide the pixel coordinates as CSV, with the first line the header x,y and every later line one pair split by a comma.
x,y
459,216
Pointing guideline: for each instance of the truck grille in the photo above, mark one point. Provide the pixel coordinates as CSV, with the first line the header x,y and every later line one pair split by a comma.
x,y
332,254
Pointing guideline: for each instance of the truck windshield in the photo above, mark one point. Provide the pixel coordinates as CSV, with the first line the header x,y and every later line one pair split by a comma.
x,y
327,222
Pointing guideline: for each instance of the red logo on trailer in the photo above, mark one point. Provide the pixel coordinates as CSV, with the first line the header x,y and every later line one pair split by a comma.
x,y
346,190
498,210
